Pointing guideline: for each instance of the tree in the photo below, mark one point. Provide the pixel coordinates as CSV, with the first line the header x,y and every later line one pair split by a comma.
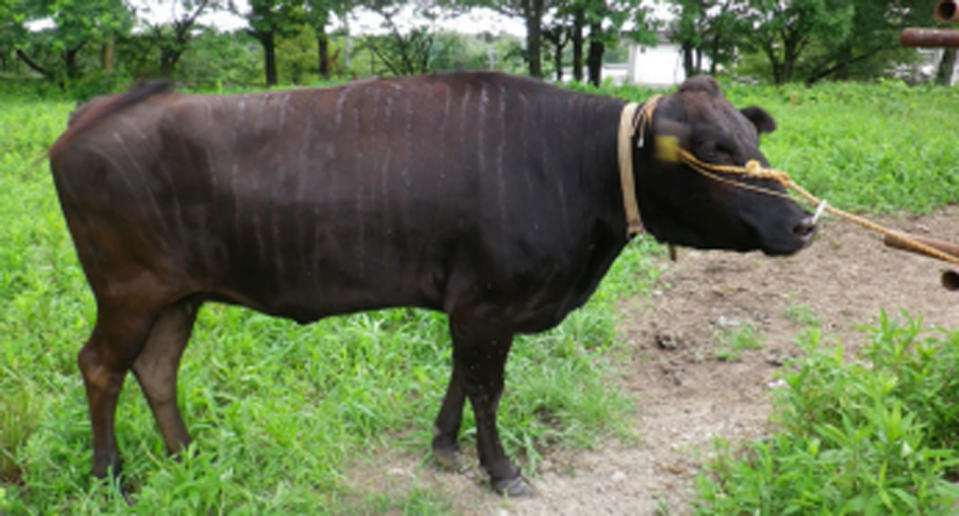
x,y
54,52
576,37
318,14
783,30
403,50
218,59
872,41
13,16
704,28
172,39
946,64
606,19
269,20
532,13
558,34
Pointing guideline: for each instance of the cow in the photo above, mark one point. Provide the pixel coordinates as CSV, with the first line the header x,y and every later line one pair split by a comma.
x,y
492,198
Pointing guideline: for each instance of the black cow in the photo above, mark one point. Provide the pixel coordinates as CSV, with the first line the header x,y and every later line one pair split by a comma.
x,y
494,199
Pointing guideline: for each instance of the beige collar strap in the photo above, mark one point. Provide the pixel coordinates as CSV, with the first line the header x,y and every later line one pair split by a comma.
x,y
629,124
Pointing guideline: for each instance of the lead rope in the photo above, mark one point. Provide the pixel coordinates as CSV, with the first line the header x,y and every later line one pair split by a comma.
x,y
668,149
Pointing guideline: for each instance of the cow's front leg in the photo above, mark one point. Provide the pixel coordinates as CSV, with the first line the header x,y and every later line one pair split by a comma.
x,y
480,357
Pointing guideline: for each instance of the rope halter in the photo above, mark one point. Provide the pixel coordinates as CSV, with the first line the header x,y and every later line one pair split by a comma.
x,y
630,124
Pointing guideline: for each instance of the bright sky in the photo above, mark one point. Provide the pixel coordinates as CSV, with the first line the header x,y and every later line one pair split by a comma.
x,y
361,21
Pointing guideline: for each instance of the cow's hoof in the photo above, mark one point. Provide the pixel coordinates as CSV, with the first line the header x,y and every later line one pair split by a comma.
x,y
514,487
450,459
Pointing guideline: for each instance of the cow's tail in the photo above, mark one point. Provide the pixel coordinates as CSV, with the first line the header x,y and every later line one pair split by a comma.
x,y
85,119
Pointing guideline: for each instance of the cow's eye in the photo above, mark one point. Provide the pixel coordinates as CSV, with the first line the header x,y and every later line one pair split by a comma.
x,y
724,150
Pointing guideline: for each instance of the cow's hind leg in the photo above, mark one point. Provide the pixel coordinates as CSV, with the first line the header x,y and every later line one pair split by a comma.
x,y
447,426
117,337
480,356
156,369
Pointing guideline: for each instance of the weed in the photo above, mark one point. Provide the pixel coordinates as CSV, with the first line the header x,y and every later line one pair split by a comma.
x,y
855,436
801,315
733,341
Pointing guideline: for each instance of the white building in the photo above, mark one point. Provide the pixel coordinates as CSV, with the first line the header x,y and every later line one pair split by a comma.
x,y
657,66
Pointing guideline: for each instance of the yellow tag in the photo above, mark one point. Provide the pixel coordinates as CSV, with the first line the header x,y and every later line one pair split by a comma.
x,y
667,147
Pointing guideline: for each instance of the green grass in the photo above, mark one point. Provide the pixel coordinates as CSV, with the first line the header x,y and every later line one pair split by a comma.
x,y
802,315
281,412
732,342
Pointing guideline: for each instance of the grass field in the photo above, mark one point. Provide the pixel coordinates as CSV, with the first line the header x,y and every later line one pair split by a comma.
x,y
279,411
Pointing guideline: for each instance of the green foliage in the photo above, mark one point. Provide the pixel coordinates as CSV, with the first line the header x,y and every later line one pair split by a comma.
x,y
453,52
782,31
870,436
444,52
217,60
279,17
873,147
705,29
297,61
56,53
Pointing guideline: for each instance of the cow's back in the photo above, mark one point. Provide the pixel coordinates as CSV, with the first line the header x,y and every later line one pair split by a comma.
x,y
381,193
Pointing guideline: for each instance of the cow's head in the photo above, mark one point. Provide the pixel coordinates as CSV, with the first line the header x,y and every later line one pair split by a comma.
x,y
683,207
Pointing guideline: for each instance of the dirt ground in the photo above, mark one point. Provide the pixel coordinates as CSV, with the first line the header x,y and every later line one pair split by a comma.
x,y
686,395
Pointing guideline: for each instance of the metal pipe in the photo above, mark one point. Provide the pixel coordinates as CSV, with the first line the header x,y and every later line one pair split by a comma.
x,y
936,38
950,280
947,11
900,243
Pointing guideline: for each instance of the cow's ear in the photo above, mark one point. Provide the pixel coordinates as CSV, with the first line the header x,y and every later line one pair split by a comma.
x,y
760,118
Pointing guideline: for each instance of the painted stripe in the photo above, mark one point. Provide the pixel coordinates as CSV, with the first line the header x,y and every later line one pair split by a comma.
x,y
500,142
151,198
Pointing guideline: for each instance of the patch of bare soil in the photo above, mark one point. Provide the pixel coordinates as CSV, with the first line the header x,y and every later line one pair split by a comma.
x,y
685,394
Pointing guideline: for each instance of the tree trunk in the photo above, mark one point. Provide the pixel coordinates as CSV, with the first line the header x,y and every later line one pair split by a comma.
x,y
714,61
579,19
946,65
687,50
70,61
774,62
533,12
323,52
268,41
166,62
845,59
594,61
558,62
107,53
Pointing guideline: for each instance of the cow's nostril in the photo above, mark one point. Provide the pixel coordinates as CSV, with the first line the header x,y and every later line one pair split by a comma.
x,y
805,228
